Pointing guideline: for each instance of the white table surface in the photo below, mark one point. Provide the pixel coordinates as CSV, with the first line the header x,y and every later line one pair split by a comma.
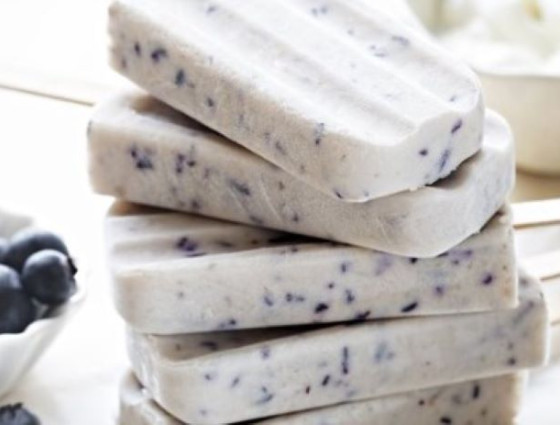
x,y
43,170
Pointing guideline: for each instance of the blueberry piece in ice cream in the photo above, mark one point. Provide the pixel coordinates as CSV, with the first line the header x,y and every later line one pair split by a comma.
x,y
47,276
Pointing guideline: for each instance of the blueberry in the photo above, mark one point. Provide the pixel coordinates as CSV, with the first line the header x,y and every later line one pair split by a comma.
x,y
3,248
9,279
16,414
16,308
27,242
47,276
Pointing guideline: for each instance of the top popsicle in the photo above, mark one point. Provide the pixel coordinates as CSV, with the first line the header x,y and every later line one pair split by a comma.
x,y
342,95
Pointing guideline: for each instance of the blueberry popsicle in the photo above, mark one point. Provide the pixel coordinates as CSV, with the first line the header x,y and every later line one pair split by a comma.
x,y
343,95
552,294
487,401
555,342
235,376
143,151
177,273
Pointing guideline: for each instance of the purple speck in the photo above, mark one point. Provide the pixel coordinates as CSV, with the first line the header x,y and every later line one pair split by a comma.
x,y
345,266
383,264
265,352
444,159
403,41
158,54
487,279
349,296
180,78
241,188
409,307
345,364
187,245
360,317
321,307
268,300
142,158
456,126
318,133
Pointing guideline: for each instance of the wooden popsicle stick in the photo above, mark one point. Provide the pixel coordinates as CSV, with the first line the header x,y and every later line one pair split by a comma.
x,y
536,213
544,266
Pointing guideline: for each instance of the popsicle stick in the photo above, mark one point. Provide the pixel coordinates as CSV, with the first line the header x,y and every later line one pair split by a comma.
x,y
536,213
544,266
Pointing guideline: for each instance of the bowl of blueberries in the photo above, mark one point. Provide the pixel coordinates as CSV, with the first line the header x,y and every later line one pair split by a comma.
x,y
38,295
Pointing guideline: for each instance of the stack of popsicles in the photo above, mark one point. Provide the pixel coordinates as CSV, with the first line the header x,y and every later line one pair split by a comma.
x,y
364,270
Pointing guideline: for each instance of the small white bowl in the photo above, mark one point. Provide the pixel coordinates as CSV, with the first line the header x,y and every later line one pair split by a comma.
x,y
11,221
529,101
531,104
19,352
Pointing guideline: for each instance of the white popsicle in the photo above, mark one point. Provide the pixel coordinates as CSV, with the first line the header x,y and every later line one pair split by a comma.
x,y
488,401
177,273
343,95
143,151
555,343
235,376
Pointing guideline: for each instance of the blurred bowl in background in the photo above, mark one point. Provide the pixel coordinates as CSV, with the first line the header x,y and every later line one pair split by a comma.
x,y
12,221
529,100
19,352
531,104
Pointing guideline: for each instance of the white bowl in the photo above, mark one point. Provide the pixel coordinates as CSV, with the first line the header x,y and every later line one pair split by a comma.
x,y
19,352
531,104
11,221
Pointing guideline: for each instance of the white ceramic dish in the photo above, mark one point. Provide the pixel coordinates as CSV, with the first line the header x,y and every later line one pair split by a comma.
x,y
19,352
12,221
531,104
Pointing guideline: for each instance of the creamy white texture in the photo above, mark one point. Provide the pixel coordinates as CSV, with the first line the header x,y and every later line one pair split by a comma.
x,y
227,377
555,343
552,294
488,401
143,151
178,273
341,95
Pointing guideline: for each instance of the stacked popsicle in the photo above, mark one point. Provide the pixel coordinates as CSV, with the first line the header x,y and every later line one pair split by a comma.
x,y
395,291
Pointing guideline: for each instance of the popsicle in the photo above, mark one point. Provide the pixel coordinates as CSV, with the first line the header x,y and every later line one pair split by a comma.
x,y
552,294
488,401
235,376
343,95
555,342
143,151
177,273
